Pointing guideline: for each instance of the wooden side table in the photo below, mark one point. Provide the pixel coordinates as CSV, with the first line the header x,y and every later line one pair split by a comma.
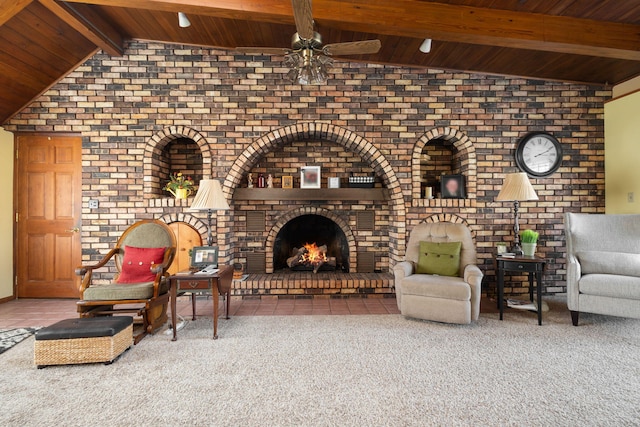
x,y
188,282
523,264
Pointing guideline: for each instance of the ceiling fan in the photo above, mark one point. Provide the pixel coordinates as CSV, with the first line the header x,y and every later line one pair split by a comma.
x,y
308,59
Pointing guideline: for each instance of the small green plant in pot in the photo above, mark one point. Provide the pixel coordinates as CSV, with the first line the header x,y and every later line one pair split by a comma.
x,y
529,240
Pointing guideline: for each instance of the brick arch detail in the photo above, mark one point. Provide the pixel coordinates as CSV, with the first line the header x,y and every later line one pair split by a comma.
x,y
155,145
350,141
196,223
448,217
310,210
461,142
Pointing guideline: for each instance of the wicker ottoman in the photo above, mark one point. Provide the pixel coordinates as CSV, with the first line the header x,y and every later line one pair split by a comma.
x,y
88,340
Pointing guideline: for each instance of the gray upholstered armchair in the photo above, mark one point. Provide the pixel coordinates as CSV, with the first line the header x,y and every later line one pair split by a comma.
x,y
603,265
450,299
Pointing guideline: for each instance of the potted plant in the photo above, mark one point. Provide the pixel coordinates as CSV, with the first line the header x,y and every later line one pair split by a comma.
x,y
179,185
529,240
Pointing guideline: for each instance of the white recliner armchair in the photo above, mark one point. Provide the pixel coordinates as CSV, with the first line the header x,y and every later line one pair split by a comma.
x,y
449,299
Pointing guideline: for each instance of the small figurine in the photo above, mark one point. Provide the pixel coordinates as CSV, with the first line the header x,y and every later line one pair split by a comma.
x,y
269,181
250,181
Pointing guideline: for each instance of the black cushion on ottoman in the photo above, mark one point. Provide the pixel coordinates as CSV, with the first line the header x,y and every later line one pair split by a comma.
x,y
84,328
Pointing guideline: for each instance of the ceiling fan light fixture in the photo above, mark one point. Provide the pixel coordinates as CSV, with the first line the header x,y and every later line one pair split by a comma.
x,y
183,21
307,68
425,47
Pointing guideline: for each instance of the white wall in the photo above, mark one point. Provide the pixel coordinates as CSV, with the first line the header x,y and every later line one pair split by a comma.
x,y
622,154
6,215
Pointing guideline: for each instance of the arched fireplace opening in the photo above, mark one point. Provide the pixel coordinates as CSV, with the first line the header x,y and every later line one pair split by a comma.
x,y
310,229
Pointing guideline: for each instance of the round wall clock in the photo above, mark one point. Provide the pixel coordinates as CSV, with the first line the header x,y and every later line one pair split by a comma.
x,y
539,154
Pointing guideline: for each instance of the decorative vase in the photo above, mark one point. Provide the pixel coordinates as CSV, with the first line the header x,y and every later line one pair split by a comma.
x,y
529,249
182,193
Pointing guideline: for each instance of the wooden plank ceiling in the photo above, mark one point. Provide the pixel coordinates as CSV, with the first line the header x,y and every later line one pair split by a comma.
x,y
588,41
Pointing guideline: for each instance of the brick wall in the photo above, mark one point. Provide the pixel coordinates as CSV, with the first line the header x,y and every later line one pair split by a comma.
x,y
242,117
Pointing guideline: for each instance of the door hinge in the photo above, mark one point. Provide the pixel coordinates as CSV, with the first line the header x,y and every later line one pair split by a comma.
x,y
16,216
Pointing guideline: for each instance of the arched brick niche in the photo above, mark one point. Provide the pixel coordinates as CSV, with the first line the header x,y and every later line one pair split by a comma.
x,y
309,210
196,223
447,217
464,162
157,163
349,140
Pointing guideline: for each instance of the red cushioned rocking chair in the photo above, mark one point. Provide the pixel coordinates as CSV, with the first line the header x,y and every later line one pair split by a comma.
x,y
142,256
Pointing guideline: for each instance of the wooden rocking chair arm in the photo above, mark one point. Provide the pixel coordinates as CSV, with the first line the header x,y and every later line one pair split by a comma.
x,y
82,270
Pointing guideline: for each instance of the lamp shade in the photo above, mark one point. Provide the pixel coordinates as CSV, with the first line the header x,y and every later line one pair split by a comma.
x,y
209,197
516,187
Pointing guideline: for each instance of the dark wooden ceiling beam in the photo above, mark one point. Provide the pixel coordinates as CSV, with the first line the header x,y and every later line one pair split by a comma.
x,y
422,19
88,23
10,8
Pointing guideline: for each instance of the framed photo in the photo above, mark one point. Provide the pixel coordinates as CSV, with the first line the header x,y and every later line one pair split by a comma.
x,y
310,177
334,182
287,181
452,186
202,256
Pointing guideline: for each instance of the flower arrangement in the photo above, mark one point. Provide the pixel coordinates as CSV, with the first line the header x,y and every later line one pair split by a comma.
x,y
529,236
179,185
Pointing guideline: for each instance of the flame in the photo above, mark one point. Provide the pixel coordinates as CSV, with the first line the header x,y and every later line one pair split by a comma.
x,y
313,255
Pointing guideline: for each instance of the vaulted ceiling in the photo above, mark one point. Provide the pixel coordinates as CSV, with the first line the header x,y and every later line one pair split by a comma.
x,y
588,41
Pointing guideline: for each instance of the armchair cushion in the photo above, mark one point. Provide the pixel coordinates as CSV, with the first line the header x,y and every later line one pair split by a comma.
x,y
126,291
137,264
441,258
600,262
446,287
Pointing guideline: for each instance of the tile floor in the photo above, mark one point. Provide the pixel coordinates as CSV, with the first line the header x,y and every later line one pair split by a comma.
x,y
44,312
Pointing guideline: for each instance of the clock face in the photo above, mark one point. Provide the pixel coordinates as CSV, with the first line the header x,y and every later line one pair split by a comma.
x,y
539,154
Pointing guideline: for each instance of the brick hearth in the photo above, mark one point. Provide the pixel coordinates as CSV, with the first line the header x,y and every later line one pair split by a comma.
x,y
288,282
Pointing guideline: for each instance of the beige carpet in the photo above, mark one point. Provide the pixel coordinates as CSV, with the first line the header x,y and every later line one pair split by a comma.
x,y
345,371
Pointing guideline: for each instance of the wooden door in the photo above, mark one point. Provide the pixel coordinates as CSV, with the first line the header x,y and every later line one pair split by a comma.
x,y
187,237
48,202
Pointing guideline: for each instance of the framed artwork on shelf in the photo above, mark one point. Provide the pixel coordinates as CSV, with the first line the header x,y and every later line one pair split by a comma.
x,y
334,182
452,186
310,177
202,256
287,181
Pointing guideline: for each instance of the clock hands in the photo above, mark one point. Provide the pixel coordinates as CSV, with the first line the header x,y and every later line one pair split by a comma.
x,y
544,152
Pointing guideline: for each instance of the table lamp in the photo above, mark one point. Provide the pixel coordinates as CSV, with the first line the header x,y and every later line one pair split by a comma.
x,y
517,188
209,198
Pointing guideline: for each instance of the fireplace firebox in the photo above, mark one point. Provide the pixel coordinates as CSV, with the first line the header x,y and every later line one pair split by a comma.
x,y
310,229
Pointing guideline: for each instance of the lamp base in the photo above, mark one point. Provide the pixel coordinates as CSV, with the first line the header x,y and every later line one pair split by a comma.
x,y
517,249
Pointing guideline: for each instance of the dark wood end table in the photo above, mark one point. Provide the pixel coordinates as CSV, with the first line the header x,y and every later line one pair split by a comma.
x,y
532,265
218,283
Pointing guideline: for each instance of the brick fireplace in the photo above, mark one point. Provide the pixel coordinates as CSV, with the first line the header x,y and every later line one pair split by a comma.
x,y
369,245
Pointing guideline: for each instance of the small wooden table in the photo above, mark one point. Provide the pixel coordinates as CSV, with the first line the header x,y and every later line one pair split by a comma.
x,y
525,264
190,282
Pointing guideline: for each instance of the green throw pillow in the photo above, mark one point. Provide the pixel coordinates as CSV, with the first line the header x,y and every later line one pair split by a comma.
x,y
439,258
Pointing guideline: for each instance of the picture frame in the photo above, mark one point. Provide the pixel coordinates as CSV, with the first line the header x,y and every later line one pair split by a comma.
x,y
452,186
310,177
203,256
287,181
334,182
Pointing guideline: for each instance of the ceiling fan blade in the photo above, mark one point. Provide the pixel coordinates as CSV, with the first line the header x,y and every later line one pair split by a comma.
x,y
303,16
263,50
353,48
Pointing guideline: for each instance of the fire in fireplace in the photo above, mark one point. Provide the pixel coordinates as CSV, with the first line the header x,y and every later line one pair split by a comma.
x,y
327,236
311,257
